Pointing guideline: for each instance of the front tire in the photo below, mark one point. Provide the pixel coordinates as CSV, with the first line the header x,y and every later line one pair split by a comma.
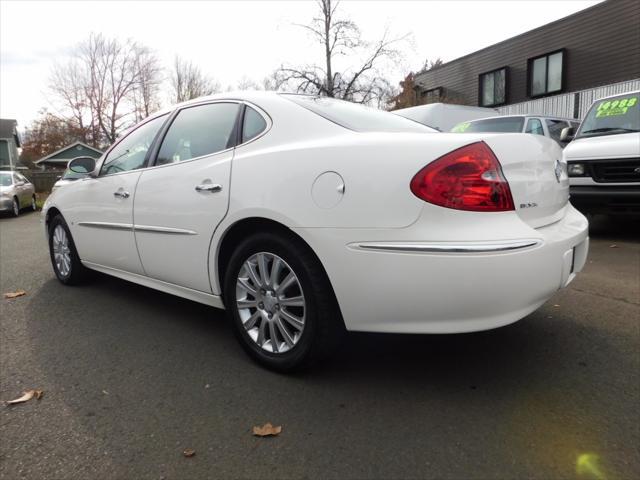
x,y
64,256
281,303
34,204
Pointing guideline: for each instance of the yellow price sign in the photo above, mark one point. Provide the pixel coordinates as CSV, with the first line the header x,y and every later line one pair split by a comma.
x,y
612,108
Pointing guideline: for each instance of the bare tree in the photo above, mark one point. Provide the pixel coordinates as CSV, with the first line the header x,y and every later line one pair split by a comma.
x,y
342,37
98,85
188,81
146,94
247,83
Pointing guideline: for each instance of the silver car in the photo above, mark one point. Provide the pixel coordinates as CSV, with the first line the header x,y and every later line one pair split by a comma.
x,y
16,192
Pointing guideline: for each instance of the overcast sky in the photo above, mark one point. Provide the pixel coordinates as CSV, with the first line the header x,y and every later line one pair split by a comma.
x,y
230,40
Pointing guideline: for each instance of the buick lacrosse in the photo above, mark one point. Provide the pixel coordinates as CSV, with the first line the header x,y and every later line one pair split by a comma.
x,y
304,216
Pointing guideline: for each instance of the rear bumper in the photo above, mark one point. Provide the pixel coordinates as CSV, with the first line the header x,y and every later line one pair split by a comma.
x,y
465,286
606,199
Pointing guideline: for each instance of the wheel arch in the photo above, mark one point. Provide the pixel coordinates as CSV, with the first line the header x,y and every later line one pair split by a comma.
x,y
239,229
51,212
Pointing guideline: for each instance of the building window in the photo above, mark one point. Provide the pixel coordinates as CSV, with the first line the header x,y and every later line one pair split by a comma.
x,y
545,74
493,88
432,95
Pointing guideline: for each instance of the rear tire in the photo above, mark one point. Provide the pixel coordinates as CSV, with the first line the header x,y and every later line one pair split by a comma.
x,y
64,256
299,311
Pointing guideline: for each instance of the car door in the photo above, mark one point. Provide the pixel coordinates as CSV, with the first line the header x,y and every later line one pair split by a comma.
x,y
19,185
99,210
27,190
182,198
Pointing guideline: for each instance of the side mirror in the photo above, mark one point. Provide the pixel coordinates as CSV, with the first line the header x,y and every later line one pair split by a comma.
x,y
82,165
567,134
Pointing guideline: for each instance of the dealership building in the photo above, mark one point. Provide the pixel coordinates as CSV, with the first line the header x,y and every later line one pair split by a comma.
x,y
558,69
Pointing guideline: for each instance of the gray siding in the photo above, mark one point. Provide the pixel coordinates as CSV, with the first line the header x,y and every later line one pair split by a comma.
x,y
565,105
602,46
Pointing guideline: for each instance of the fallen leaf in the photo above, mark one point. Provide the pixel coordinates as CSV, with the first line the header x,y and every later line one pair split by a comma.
x,y
556,305
28,395
17,293
188,452
105,392
266,430
613,246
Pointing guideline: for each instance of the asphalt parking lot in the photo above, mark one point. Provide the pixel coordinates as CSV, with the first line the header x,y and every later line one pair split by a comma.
x,y
131,377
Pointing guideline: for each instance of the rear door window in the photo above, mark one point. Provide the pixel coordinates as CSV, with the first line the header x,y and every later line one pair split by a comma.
x,y
199,131
534,126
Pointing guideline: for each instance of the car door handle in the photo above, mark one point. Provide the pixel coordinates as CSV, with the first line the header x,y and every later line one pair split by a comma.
x,y
209,187
121,194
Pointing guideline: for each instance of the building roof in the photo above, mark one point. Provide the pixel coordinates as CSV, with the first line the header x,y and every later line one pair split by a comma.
x,y
66,153
9,129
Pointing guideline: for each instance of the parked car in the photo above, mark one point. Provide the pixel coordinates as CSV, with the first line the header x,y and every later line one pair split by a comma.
x,y
444,116
550,127
604,157
16,192
68,177
304,215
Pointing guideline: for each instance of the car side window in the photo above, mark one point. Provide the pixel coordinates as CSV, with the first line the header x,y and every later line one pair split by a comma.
x,y
555,128
534,126
23,178
199,131
131,151
252,125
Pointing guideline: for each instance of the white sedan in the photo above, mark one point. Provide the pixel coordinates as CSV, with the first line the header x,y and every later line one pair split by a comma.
x,y
303,216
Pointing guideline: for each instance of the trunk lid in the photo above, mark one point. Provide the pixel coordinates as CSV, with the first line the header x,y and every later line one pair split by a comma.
x,y
536,173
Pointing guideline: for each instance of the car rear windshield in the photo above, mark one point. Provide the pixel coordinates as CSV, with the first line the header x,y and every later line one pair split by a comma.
x,y
355,116
491,125
612,116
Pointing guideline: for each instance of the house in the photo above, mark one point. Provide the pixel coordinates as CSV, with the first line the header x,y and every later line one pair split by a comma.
x,y
558,69
9,144
58,160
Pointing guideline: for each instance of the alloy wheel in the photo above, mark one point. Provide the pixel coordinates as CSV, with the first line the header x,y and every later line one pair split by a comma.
x,y
61,251
270,302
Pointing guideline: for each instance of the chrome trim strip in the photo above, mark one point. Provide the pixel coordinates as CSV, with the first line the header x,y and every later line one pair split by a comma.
x,y
141,228
448,247
107,225
169,230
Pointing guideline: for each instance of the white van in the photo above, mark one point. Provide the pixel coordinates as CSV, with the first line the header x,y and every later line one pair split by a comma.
x,y
444,116
603,160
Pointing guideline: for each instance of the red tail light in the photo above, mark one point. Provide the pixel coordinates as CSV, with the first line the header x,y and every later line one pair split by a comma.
x,y
469,178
